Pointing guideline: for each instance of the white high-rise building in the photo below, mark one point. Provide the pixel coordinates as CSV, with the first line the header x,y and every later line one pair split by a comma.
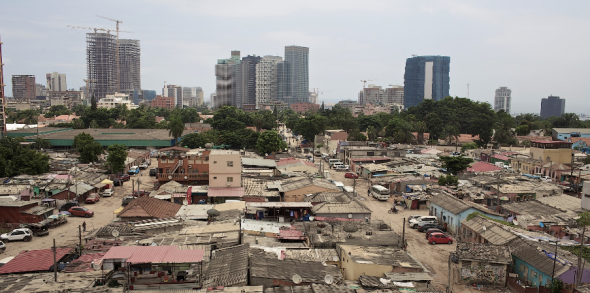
x,y
266,79
56,82
112,101
503,99
171,90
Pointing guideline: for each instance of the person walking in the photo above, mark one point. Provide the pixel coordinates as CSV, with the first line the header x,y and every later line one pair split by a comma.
x,y
84,226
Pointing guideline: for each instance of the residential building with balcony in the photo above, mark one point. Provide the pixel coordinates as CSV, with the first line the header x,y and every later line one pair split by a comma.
x,y
186,168
225,168
112,101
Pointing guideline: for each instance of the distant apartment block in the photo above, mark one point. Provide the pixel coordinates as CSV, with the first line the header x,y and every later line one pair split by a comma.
x,y
293,75
56,82
304,107
112,101
426,78
245,82
174,91
395,94
40,91
267,79
503,99
552,106
100,60
164,102
376,95
129,65
23,87
149,95
225,75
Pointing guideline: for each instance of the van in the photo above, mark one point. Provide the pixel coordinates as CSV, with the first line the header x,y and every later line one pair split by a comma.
x,y
333,161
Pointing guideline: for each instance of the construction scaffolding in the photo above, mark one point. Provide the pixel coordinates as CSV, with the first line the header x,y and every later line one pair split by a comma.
x,y
100,56
2,99
129,65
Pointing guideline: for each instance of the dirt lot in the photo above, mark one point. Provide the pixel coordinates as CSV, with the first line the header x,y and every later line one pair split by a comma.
x,y
67,235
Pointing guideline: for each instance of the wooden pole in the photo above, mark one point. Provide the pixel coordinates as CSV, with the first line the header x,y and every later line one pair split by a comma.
x,y
54,261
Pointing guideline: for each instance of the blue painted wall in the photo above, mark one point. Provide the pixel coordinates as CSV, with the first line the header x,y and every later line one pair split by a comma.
x,y
519,266
454,221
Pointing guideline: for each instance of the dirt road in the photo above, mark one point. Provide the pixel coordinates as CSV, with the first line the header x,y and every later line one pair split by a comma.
x,y
67,234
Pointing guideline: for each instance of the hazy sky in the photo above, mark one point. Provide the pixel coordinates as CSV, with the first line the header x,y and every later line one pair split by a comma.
x,y
536,48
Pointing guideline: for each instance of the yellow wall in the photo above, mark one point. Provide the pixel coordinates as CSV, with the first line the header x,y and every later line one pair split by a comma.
x,y
352,270
563,156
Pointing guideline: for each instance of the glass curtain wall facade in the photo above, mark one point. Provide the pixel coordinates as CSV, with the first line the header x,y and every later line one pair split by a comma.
x,y
294,75
426,77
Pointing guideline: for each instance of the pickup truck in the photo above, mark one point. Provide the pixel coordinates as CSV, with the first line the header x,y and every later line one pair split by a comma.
x,y
143,166
133,170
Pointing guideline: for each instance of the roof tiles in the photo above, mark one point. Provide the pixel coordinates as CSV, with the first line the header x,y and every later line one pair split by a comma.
x,y
148,207
33,261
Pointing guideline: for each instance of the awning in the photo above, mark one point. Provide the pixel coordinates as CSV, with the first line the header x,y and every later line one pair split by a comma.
x,y
107,181
99,185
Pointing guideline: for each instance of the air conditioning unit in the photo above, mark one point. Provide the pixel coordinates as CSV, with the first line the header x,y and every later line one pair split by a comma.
x,y
190,166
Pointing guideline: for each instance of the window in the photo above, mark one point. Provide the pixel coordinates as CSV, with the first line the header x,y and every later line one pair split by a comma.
x,y
370,153
214,178
230,163
214,162
230,179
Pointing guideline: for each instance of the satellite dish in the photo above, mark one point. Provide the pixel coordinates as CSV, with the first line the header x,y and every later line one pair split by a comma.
x,y
115,233
328,279
350,216
296,279
170,177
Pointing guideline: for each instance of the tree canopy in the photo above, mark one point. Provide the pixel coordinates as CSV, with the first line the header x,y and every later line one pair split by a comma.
x,y
16,159
269,141
88,148
456,164
116,158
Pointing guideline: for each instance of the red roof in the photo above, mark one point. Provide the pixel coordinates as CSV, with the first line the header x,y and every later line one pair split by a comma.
x,y
290,234
483,167
33,261
155,254
149,207
287,161
225,192
500,157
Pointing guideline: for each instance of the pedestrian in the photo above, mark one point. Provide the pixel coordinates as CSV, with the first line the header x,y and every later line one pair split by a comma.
x,y
84,226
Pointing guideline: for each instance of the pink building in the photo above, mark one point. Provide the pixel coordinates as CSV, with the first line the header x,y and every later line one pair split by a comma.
x,y
304,107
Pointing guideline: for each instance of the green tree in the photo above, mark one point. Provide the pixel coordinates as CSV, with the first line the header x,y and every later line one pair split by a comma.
x,y
420,127
522,130
455,165
503,127
448,180
175,127
41,143
587,160
16,159
78,124
399,130
79,109
557,285
193,140
582,220
372,133
232,139
88,148
310,126
269,141
57,110
451,133
356,135
468,146
117,154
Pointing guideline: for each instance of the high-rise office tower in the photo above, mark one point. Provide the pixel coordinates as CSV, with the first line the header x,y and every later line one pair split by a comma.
x,y
149,95
23,87
100,61
129,66
245,82
426,77
503,99
395,95
225,73
56,82
267,79
293,75
552,106
171,90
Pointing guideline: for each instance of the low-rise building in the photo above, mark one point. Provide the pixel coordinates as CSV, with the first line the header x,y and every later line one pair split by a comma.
x,y
225,168
296,190
186,169
163,102
478,229
450,211
479,263
117,99
375,261
304,107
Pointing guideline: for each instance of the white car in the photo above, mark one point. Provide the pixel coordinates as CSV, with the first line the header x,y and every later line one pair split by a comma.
x,y
2,247
24,234
341,167
546,179
143,166
417,222
107,192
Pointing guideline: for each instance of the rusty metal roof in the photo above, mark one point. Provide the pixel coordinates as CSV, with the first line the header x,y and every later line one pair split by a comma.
x,y
33,261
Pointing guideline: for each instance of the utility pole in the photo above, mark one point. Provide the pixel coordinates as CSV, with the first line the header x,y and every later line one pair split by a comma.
x,y
449,278
80,238
54,261
554,260
2,99
404,234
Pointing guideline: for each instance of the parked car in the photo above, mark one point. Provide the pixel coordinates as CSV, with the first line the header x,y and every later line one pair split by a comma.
x,y
143,166
2,247
140,193
546,179
93,198
433,230
133,170
126,200
341,167
66,206
414,217
439,238
23,234
153,171
421,221
37,229
81,212
432,225
351,175
107,192
124,177
117,182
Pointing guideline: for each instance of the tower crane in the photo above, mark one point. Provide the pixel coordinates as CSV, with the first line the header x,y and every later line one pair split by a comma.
x,y
117,51
365,82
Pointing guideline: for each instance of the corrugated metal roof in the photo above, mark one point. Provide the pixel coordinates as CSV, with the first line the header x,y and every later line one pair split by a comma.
x,y
33,261
226,192
352,207
259,162
279,204
155,254
489,230
13,203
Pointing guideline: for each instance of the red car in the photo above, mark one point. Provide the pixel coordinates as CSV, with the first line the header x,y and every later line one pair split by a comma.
x,y
351,175
433,230
140,193
93,198
81,212
439,238
124,177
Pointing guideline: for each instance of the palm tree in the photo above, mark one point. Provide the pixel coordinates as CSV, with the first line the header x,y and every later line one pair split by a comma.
x,y
504,130
451,133
420,127
32,117
175,127
258,120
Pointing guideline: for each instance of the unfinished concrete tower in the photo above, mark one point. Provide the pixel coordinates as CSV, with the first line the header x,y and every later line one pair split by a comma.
x,y
100,57
129,66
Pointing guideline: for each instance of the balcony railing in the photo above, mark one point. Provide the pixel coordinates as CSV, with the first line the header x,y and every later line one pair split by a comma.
x,y
180,176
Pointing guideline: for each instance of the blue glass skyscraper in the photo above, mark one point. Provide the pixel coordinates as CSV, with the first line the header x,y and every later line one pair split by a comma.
x,y
426,77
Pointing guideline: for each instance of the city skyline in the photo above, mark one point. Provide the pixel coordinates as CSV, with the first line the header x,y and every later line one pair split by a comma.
x,y
487,52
